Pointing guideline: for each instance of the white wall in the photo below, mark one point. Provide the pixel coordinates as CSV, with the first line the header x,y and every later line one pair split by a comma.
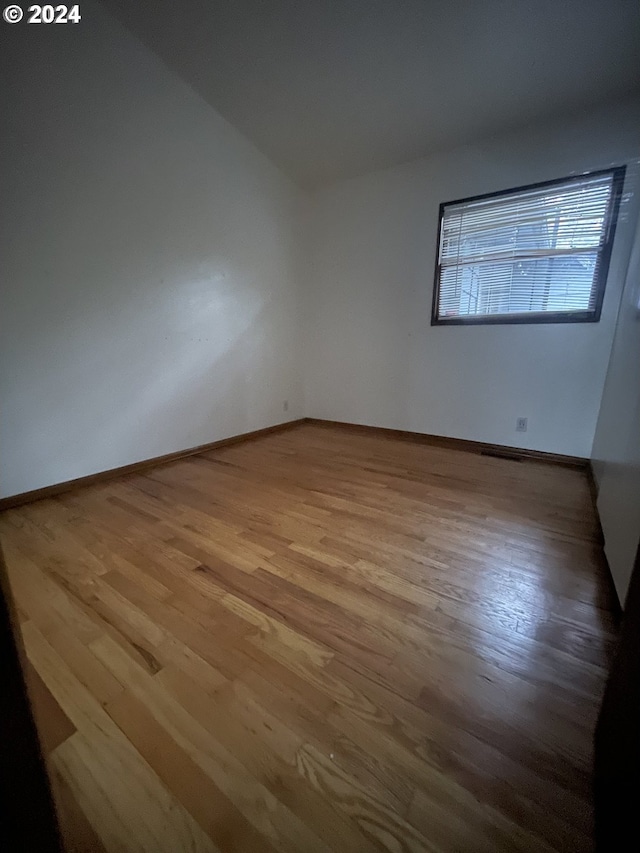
x,y
616,448
150,258
373,357
149,301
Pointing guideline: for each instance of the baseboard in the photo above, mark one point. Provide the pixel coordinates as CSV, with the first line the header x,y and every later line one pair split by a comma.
x,y
135,467
616,605
593,488
515,453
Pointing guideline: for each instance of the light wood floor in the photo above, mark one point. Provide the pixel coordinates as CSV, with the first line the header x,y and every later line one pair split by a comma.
x,y
318,641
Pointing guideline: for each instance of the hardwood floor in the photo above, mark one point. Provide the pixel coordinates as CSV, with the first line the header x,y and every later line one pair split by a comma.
x,y
318,641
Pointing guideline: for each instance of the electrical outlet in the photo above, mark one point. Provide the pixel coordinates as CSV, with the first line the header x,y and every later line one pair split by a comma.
x,y
521,424
285,406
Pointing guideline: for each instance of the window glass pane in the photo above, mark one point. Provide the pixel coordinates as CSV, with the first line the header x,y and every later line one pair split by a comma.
x,y
537,250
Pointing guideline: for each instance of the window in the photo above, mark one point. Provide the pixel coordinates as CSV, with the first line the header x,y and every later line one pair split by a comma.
x,y
538,254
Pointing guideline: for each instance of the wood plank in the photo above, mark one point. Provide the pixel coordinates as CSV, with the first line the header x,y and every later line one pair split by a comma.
x,y
54,727
323,640
241,813
77,832
114,787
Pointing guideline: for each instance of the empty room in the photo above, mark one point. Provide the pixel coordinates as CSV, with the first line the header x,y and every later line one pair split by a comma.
x,y
320,426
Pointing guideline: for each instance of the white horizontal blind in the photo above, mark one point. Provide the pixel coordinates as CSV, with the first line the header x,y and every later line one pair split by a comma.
x,y
533,251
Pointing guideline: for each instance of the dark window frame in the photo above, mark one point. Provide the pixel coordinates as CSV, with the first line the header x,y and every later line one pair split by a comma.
x,y
602,268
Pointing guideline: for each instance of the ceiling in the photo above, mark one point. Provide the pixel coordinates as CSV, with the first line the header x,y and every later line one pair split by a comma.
x,y
329,89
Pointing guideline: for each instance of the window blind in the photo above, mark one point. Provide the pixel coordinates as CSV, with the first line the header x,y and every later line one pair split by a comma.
x,y
537,252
